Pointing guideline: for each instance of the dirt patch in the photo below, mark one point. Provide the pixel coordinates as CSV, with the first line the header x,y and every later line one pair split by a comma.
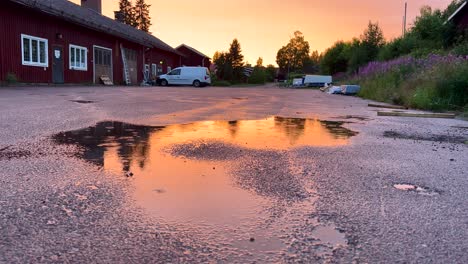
x,y
82,101
360,118
6,154
430,137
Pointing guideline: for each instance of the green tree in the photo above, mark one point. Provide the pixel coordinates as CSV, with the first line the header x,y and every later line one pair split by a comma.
x,y
260,62
258,76
367,48
295,54
236,60
312,65
431,30
336,58
271,73
128,12
372,40
220,59
142,16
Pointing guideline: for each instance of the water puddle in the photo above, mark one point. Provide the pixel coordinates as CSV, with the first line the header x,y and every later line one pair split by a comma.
x,y
223,181
416,189
329,235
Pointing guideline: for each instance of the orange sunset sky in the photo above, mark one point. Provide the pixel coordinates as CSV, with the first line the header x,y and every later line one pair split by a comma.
x,y
264,26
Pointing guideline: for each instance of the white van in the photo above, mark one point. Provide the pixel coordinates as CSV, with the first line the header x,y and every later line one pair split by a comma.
x,y
196,76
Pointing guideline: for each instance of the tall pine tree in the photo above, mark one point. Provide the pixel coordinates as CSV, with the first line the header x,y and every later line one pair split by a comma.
x,y
128,12
236,60
142,17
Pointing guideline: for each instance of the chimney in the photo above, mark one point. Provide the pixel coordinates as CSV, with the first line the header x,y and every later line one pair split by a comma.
x,y
95,5
119,16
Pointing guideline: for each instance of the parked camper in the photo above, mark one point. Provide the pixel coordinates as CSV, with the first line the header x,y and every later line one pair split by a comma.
x,y
196,76
317,80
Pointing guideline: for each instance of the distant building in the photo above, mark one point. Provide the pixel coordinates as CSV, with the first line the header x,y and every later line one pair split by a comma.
x,y
57,41
460,17
193,57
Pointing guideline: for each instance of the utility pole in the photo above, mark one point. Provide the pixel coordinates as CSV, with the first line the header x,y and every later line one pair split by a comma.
x,y
404,19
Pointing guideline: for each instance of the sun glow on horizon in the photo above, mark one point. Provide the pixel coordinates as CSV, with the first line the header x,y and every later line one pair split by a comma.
x,y
264,26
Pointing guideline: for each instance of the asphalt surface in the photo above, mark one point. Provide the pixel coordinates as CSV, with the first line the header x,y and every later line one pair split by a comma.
x,y
56,207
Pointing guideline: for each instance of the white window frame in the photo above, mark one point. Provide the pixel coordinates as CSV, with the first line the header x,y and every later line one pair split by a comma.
x,y
80,48
46,51
169,69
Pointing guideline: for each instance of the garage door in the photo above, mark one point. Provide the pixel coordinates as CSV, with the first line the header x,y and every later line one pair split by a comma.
x,y
131,56
102,63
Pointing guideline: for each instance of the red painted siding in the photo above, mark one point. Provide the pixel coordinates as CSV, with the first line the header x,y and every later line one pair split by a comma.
x,y
16,20
463,20
168,59
193,59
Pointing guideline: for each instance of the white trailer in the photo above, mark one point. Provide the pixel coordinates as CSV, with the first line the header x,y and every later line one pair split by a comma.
x,y
317,80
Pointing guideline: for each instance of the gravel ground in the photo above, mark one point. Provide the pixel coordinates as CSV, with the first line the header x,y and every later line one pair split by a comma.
x,y
56,207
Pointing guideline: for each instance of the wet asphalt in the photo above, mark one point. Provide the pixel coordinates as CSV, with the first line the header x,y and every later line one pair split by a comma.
x,y
56,208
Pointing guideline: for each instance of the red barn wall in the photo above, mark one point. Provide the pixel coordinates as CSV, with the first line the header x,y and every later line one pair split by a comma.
x,y
16,20
463,20
156,56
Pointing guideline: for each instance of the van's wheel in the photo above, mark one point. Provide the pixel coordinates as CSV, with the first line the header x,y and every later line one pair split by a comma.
x,y
164,83
197,83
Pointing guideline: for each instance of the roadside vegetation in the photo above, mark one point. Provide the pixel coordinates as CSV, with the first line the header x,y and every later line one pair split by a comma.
x,y
426,68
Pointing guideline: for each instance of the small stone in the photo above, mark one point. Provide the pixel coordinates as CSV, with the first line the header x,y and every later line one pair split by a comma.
x,y
252,239
452,159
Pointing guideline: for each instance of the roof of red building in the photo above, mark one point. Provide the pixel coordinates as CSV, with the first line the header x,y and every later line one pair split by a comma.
x,y
91,19
192,49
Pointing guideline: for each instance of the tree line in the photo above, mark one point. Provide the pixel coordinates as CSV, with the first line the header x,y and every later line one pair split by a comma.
x,y
137,16
231,68
430,33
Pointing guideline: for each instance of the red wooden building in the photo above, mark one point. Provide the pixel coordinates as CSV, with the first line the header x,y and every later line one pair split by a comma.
x,y
460,17
57,41
193,57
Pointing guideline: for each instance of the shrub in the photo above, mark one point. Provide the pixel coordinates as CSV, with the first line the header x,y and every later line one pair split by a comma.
x,y
461,49
258,76
221,83
11,78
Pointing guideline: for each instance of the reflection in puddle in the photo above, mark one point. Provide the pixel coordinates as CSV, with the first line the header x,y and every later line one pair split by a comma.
x,y
216,179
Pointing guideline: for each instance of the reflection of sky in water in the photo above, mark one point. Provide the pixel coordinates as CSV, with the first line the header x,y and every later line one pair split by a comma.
x,y
199,194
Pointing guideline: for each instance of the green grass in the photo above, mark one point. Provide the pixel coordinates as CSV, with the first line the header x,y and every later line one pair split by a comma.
x,y
443,87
